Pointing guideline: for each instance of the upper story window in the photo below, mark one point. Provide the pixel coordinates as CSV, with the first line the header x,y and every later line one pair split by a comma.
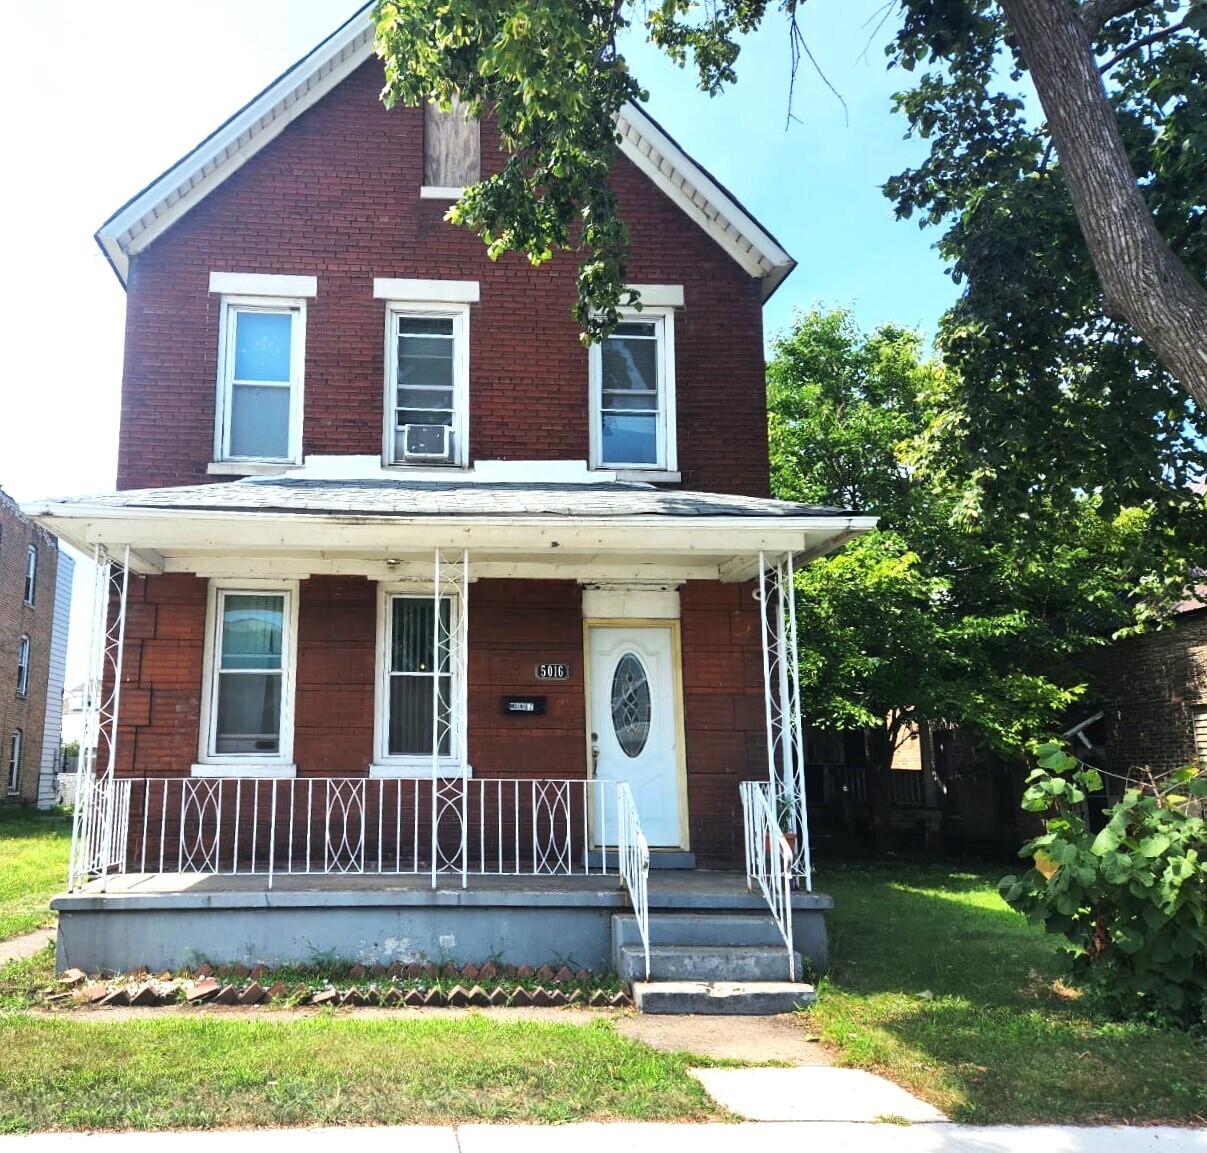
x,y
261,363
23,666
427,370
31,574
14,760
633,393
249,678
452,151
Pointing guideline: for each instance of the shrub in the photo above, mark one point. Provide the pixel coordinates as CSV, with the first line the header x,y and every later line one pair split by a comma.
x,y
1131,901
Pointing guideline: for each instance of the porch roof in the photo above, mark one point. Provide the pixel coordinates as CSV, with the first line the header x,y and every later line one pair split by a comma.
x,y
388,519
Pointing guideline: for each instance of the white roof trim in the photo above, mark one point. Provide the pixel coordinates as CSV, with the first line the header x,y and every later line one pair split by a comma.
x,y
158,206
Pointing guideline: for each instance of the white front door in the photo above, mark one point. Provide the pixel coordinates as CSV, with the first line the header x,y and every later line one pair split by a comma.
x,y
634,727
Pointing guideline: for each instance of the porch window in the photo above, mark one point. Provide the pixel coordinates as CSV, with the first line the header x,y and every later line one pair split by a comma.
x,y
260,358
249,683
31,574
23,666
14,761
427,384
632,393
416,684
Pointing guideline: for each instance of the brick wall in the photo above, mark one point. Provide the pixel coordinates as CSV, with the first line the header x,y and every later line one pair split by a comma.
x,y
513,625
337,196
17,619
1149,688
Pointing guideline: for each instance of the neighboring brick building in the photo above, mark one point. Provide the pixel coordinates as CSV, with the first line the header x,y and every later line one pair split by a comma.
x,y
35,601
1152,690
470,585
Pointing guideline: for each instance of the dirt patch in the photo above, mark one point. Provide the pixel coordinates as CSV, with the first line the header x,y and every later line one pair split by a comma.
x,y
757,1039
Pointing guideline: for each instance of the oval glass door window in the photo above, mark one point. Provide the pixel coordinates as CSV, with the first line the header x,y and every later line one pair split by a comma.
x,y
631,704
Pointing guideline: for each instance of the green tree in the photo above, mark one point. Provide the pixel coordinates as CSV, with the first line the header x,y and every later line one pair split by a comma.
x,y
935,616
552,75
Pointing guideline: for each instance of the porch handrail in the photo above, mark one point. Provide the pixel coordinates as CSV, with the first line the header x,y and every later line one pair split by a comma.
x,y
769,860
633,855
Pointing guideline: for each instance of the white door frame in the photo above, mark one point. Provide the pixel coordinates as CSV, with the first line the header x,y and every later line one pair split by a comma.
x,y
673,626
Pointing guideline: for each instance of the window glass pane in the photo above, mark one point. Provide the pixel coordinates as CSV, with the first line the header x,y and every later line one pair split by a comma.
x,y
630,365
411,716
425,325
411,636
252,631
249,713
631,704
262,345
424,416
629,439
259,421
425,362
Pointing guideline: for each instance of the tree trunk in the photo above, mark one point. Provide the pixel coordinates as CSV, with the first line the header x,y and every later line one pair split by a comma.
x,y
1143,281
878,763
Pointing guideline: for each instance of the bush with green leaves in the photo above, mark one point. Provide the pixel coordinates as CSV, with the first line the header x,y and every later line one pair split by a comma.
x,y
1130,900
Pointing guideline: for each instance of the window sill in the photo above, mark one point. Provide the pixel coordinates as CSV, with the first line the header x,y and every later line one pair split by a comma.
x,y
247,468
646,475
416,772
263,772
437,192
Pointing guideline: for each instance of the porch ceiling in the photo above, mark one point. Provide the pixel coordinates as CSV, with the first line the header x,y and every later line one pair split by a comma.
x,y
387,529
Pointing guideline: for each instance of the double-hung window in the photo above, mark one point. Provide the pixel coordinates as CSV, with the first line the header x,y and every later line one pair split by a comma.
x,y
249,683
417,690
427,386
31,574
23,666
14,760
633,393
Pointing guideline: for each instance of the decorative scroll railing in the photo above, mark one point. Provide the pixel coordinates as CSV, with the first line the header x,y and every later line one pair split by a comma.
x,y
633,855
769,858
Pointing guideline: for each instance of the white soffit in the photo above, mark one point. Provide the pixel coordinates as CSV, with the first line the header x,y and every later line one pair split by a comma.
x,y
164,201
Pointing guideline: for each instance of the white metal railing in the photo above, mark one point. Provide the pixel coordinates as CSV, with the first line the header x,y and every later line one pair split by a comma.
x,y
332,825
769,860
633,855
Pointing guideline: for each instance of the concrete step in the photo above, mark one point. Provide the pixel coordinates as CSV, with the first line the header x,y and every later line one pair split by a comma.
x,y
679,859
699,929
705,963
730,998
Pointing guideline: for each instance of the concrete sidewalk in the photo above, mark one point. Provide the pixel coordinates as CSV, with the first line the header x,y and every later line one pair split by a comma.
x,y
818,1137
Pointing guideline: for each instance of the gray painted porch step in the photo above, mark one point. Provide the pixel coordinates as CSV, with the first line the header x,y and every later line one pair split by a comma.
x,y
731,998
659,859
699,929
705,963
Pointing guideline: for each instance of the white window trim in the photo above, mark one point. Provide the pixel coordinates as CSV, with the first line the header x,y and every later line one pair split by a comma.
x,y
385,765
16,751
459,314
668,454
235,765
262,284
29,591
23,666
397,291
439,192
226,368
658,295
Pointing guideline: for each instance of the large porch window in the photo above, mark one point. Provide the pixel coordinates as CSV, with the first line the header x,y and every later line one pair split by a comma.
x,y
417,697
248,690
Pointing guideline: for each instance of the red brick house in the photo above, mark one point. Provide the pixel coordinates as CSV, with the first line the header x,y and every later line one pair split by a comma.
x,y
407,584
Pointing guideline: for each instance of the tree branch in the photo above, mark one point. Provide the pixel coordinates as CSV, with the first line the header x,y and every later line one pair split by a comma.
x,y
1143,42
1095,13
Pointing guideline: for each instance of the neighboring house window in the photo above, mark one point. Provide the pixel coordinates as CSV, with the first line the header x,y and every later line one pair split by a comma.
x,y
249,684
31,574
417,681
427,384
14,761
452,150
633,393
261,356
23,667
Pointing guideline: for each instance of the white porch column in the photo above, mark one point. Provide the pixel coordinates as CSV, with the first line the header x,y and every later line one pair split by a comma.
x,y
781,693
95,819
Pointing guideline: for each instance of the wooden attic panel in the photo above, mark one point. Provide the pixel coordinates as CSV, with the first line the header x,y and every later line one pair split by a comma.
x,y
452,148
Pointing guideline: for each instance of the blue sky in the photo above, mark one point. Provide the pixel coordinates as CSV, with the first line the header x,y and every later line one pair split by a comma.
x,y
99,100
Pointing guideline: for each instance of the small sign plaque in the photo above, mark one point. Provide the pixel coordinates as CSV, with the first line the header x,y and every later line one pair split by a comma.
x,y
524,706
552,671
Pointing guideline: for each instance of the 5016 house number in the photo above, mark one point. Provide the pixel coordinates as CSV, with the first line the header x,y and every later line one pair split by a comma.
x,y
552,671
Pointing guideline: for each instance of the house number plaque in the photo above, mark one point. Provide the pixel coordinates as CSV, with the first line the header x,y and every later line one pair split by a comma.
x,y
552,672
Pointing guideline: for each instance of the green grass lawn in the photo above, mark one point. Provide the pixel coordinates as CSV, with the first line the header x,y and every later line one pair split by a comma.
x,y
939,985
204,1072
33,867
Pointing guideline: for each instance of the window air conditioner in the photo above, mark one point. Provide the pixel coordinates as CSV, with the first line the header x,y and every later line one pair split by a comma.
x,y
432,443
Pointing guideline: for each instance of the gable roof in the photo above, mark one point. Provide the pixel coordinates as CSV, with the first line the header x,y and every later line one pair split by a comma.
x,y
166,199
